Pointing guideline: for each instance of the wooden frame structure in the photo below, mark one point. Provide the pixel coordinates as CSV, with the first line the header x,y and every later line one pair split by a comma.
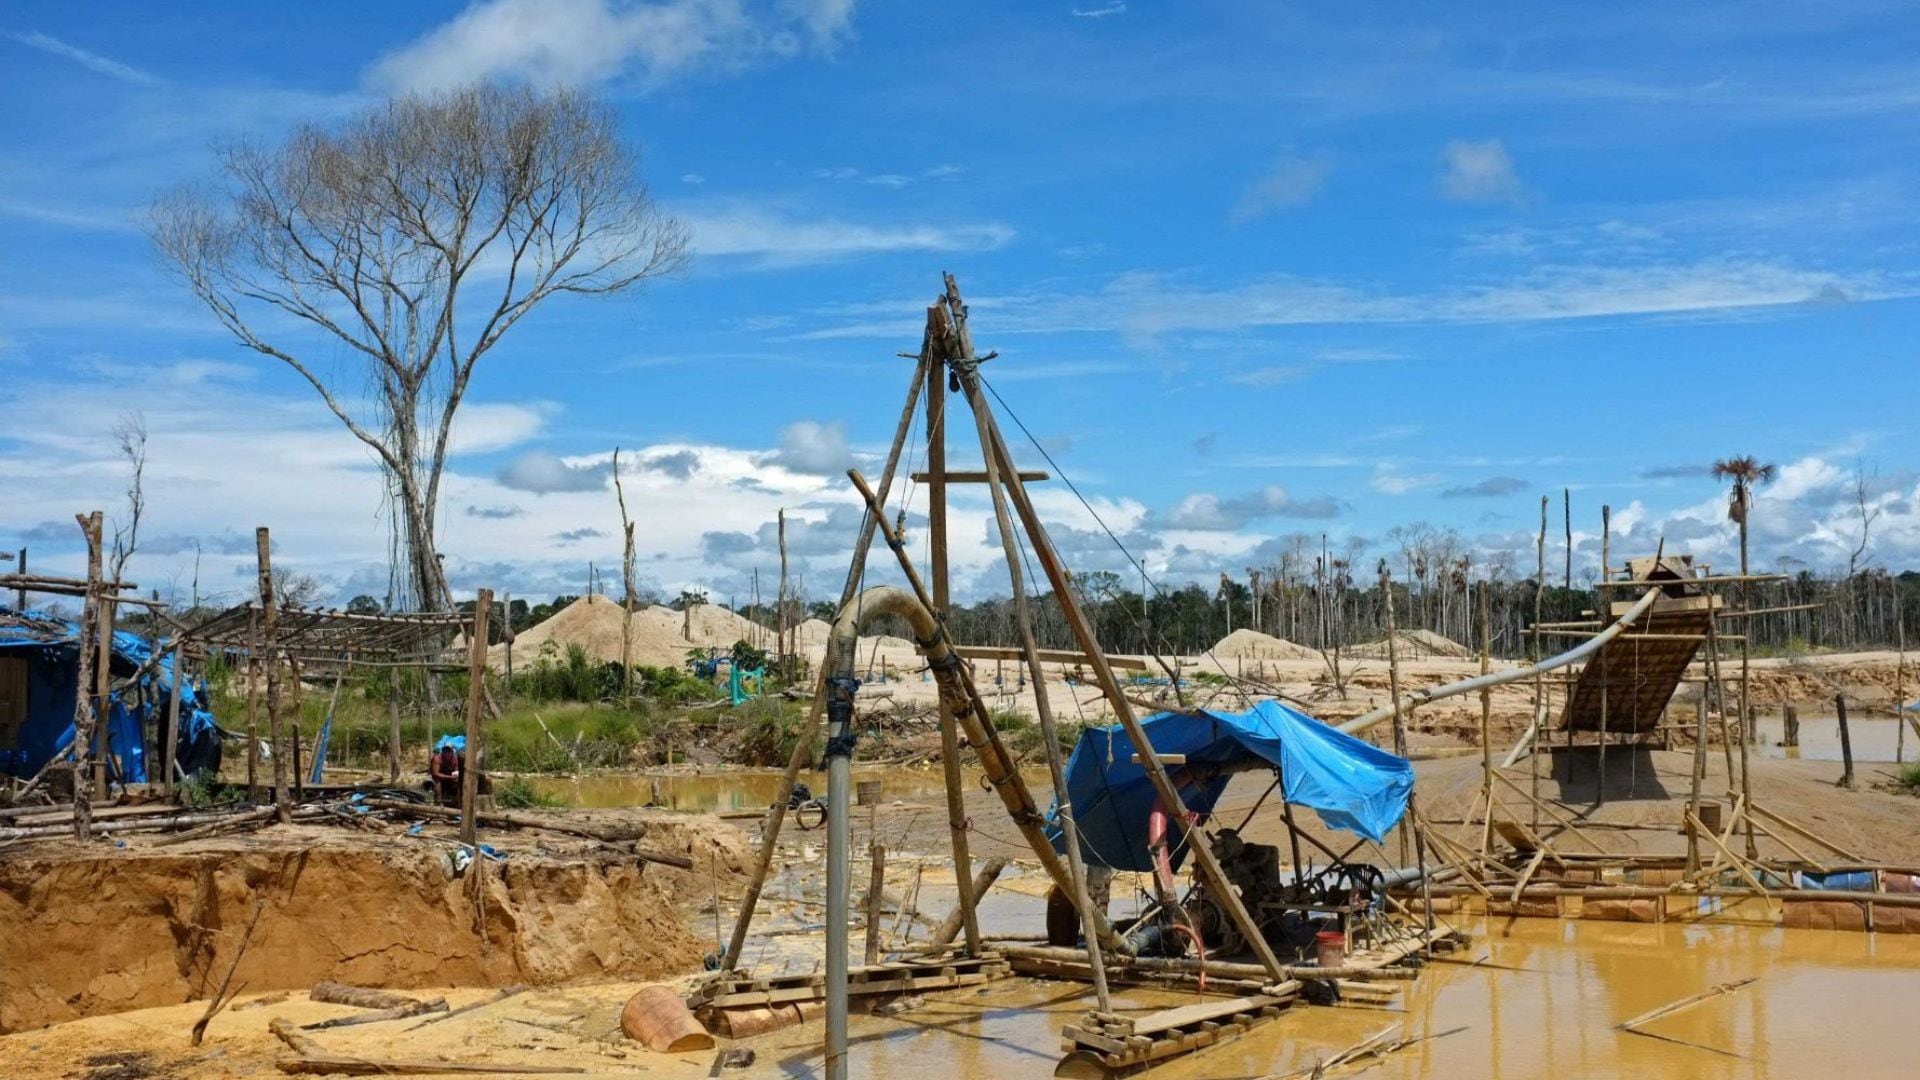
x,y
947,364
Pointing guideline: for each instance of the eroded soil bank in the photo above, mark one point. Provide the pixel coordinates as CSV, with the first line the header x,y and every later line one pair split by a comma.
x,y
87,930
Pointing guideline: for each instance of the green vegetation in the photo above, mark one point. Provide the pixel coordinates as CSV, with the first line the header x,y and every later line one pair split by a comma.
x,y
769,729
1908,779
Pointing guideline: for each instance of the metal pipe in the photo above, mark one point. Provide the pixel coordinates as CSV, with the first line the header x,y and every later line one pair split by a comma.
x,y
1500,678
842,649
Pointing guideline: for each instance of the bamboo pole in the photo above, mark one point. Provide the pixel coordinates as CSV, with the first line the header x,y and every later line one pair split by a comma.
x,y
86,710
1539,687
1393,687
254,672
936,479
476,687
269,628
1486,721
803,748
626,581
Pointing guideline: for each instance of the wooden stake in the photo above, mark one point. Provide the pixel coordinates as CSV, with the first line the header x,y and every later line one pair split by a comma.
x,y
876,888
1846,741
476,685
1539,685
626,579
269,628
86,715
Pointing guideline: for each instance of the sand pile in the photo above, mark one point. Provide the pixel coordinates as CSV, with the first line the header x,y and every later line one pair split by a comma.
x,y
594,624
1252,645
1414,644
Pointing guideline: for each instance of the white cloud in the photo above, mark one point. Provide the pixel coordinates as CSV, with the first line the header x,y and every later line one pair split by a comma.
x,y
1389,480
1478,172
693,178
1293,181
90,60
543,473
1118,7
807,446
580,42
482,426
775,240
1207,512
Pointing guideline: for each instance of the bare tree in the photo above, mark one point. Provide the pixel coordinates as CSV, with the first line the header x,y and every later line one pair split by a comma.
x,y
371,237
130,435
1869,512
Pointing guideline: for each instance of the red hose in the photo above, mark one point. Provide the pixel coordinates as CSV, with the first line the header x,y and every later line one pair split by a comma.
x,y
1157,843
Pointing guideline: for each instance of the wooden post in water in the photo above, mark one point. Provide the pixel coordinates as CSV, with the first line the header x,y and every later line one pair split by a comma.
x,y
1789,725
476,698
876,888
1846,741
86,715
269,628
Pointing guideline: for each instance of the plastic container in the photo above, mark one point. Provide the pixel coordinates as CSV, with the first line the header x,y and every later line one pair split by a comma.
x,y
1330,948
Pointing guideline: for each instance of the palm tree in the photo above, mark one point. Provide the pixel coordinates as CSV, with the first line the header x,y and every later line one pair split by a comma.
x,y
1746,472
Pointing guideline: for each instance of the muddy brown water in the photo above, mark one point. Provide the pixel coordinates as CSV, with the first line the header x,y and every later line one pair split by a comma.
x,y
1824,1004
721,792
1874,738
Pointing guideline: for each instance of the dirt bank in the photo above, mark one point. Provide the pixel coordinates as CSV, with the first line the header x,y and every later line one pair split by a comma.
x,y
86,930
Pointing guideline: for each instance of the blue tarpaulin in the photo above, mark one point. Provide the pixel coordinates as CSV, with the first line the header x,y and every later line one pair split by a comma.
x,y
1351,784
51,647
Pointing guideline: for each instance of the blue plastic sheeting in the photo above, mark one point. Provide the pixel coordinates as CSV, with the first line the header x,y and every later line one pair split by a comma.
x,y
458,742
1353,786
1840,880
51,647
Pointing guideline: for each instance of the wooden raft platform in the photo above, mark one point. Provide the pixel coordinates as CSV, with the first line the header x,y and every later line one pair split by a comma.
x,y
893,977
1637,673
1105,1046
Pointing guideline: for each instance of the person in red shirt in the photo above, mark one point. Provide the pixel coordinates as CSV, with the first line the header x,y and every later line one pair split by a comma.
x,y
445,768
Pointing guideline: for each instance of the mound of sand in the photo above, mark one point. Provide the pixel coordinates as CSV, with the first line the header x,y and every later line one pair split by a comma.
x,y
1252,644
594,624
1414,644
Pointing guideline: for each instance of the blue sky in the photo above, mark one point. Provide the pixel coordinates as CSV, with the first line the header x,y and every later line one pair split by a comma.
x,y
1253,270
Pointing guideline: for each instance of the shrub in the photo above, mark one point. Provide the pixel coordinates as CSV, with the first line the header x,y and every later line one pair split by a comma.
x,y
1908,779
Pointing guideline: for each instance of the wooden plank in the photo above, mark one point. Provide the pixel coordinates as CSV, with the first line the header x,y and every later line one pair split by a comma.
x,y
1051,656
1155,1023
972,477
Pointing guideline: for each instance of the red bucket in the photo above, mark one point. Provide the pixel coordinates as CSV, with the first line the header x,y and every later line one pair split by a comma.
x,y
1331,946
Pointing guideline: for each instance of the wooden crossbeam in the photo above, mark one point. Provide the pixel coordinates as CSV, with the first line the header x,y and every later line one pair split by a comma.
x,y
966,476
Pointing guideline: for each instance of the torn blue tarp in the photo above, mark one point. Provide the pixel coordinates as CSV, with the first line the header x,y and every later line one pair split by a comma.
x,y
51,648
458,742
1352,785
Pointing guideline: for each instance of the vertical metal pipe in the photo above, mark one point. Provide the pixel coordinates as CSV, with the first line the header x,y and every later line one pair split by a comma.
x,y
840,690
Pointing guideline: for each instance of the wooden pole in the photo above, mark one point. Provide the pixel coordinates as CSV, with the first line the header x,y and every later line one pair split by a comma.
x,y
626,580
476,692
1393,687
269,628
171,740
785,655
1600,782
20,596
1023,618
103,705
1486,720
938,566
86,714
1539,684
1899,683
1699,776
1566,505
876,888
254,671
1846,741
1746,700
803,747
393,725
1169,795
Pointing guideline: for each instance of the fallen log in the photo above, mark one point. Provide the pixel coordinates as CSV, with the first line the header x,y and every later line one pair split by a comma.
x,y
617,836
334,993
398,1012
260,816
287,1033
982,881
